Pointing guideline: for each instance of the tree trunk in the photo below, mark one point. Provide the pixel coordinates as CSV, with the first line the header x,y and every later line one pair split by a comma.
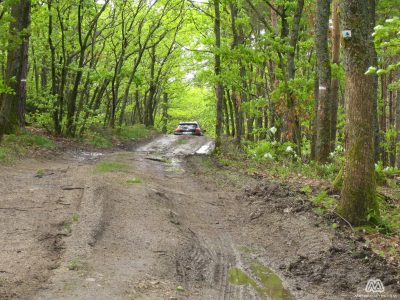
x,y
217,70
383,125
292,119
359,191
12,110
372,4
335,81
226,114
398,129
165,113
231,113
323,142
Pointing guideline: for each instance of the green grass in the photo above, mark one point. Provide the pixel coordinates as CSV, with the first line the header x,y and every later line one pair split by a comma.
x,y
29,140
104,138
135,132
40,173
3,154
14,146
75,217
134,180
98,141
110,166
74,265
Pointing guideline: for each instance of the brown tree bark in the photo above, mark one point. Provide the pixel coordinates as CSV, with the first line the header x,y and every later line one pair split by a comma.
x,y
359,191
397,126
292,119
335,82
323,141
12,110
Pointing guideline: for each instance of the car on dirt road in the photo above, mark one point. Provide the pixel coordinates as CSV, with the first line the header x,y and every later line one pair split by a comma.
x,y
189,128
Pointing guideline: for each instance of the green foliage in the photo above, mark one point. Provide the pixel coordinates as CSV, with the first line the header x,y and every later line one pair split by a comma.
x,y
306,189
381,224
266,150
29,140
324,202
15,145
192,104
98,140
104,138
4,152
110,166
4,88
135,132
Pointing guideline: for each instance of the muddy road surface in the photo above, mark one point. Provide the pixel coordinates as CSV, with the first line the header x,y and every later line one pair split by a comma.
x,y
163,222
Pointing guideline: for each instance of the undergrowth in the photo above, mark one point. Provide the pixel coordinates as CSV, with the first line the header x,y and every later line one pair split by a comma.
x,y
13,146
104,138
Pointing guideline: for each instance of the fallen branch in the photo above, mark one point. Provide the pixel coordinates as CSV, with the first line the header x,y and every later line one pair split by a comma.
x,y
348,223
72,188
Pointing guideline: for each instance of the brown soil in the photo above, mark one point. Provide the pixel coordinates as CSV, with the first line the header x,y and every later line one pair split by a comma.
x,y
164,224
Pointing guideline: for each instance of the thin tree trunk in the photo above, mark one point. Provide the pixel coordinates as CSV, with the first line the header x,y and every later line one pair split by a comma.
x,y
217,70
231,113
383,125
165,113
335,81
398,128
293,122
323,142
226,114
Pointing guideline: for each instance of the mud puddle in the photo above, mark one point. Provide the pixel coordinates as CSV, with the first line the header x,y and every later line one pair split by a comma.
x,y
262,279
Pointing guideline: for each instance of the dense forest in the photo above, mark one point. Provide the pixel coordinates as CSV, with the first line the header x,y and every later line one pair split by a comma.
x,y
309,80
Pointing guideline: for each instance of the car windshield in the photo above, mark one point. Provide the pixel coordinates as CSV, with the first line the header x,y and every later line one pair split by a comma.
x,y
187,126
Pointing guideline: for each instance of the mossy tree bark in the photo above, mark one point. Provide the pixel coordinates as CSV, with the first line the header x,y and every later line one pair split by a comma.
x,y
12,110
358,191
335,81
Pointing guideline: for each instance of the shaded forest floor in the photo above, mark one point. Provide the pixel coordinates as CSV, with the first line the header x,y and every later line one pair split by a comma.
x,y
155,221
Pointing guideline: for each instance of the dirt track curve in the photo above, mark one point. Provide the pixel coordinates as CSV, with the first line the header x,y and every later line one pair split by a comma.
x,y
165,225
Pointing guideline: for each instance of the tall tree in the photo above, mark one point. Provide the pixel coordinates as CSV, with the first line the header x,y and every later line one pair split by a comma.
x,y
359,191
335,62
12,111
323,146
217,69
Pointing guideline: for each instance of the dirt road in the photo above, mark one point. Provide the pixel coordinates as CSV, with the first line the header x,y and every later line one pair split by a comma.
x,y
162,222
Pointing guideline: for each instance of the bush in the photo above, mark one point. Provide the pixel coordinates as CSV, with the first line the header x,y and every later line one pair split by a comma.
x,y
270,150
134,132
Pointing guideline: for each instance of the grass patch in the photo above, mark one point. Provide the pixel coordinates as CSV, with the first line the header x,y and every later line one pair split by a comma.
x,y
110,166
75,217
134,180
3,154
105,138
99,141
14,146
74,265
28,140
135,132
40,173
